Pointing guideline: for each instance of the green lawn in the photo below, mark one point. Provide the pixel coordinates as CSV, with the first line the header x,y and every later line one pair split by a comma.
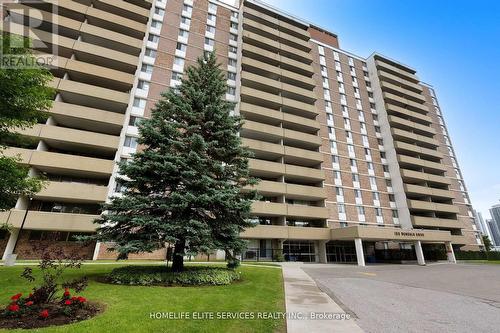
x,y
129,307
480,261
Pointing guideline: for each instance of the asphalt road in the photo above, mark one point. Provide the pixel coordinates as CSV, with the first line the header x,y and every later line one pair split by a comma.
x,y
407,298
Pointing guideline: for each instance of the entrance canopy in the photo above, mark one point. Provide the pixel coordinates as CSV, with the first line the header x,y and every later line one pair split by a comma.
x,y
387,234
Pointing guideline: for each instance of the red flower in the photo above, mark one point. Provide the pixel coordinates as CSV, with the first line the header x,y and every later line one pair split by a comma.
x,y
29,303
13,307
68,302
82,299
44,314
31,295
66,292
16,297
74,298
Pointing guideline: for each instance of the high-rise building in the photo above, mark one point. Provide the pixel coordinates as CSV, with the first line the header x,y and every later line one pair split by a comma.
x,y
353,153
495,232
483,225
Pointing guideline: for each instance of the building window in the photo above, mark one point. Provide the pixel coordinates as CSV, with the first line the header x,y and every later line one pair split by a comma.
x,y
235,14
231,62
341,208
231,90
212,6
183,33
234,25
134,121
378,212
181,47
233,37
159,11
233,49
185,20
176,76
179,61
153,38
209,41
211,17
150,53
210,29
188,9
143,85
139,103
156,24
130,142
231,76
361,210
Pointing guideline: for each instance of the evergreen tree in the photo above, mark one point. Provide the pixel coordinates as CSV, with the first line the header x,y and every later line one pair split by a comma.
x,y
184,187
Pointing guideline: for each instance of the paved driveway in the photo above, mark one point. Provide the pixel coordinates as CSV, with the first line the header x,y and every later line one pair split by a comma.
x,y
406,298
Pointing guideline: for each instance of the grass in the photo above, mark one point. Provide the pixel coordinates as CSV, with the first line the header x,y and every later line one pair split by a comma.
x,y
129,307
494,262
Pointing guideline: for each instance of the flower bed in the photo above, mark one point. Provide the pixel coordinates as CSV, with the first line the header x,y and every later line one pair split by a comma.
x,y
161,275
26,312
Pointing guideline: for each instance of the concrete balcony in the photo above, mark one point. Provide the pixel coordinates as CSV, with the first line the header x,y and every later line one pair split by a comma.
x,y
459,239
74,192
408,75
388,77
251,23
263,68
403,147
403,92
59,135
261,208
74,28
85,118
290,29
105,18
433,222
411,126
105,57
124,9
415,176
415,116
428,191
301,140
409,137
53,221
302,157
260,168
259,81
275,117
405,103
285,232
292,191
272,101
95,75
307,212
63,163
91,96
275,46
432,207
427,166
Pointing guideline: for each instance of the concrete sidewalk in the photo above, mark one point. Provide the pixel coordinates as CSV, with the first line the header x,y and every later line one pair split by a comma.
x,y
303,297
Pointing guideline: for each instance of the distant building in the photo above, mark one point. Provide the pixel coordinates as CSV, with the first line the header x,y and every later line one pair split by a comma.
x,y
495,232
482,225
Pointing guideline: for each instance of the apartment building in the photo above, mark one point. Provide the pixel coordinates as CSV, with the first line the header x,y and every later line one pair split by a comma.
x,y
353,153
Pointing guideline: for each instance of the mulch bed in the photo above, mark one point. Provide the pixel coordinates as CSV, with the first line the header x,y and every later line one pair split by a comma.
x,y
33,321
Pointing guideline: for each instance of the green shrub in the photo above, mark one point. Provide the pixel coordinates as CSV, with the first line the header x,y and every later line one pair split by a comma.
x,y
279,257
161,275
233,264
477,255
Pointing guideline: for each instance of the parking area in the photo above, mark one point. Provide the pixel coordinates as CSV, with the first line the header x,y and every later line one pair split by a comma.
x,y
411,298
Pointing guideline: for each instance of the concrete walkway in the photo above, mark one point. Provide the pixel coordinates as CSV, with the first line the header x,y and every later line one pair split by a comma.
x,y
306,304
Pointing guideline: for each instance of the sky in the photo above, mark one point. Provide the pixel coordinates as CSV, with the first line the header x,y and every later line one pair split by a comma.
x,y
454,46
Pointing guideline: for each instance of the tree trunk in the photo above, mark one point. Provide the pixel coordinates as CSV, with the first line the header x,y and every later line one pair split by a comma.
x,y
178,257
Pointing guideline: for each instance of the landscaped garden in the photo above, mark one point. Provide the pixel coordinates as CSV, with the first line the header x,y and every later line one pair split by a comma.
x,y
129,308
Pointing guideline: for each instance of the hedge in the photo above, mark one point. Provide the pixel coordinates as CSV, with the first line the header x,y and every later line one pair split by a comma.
x,y
161,275
477,255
